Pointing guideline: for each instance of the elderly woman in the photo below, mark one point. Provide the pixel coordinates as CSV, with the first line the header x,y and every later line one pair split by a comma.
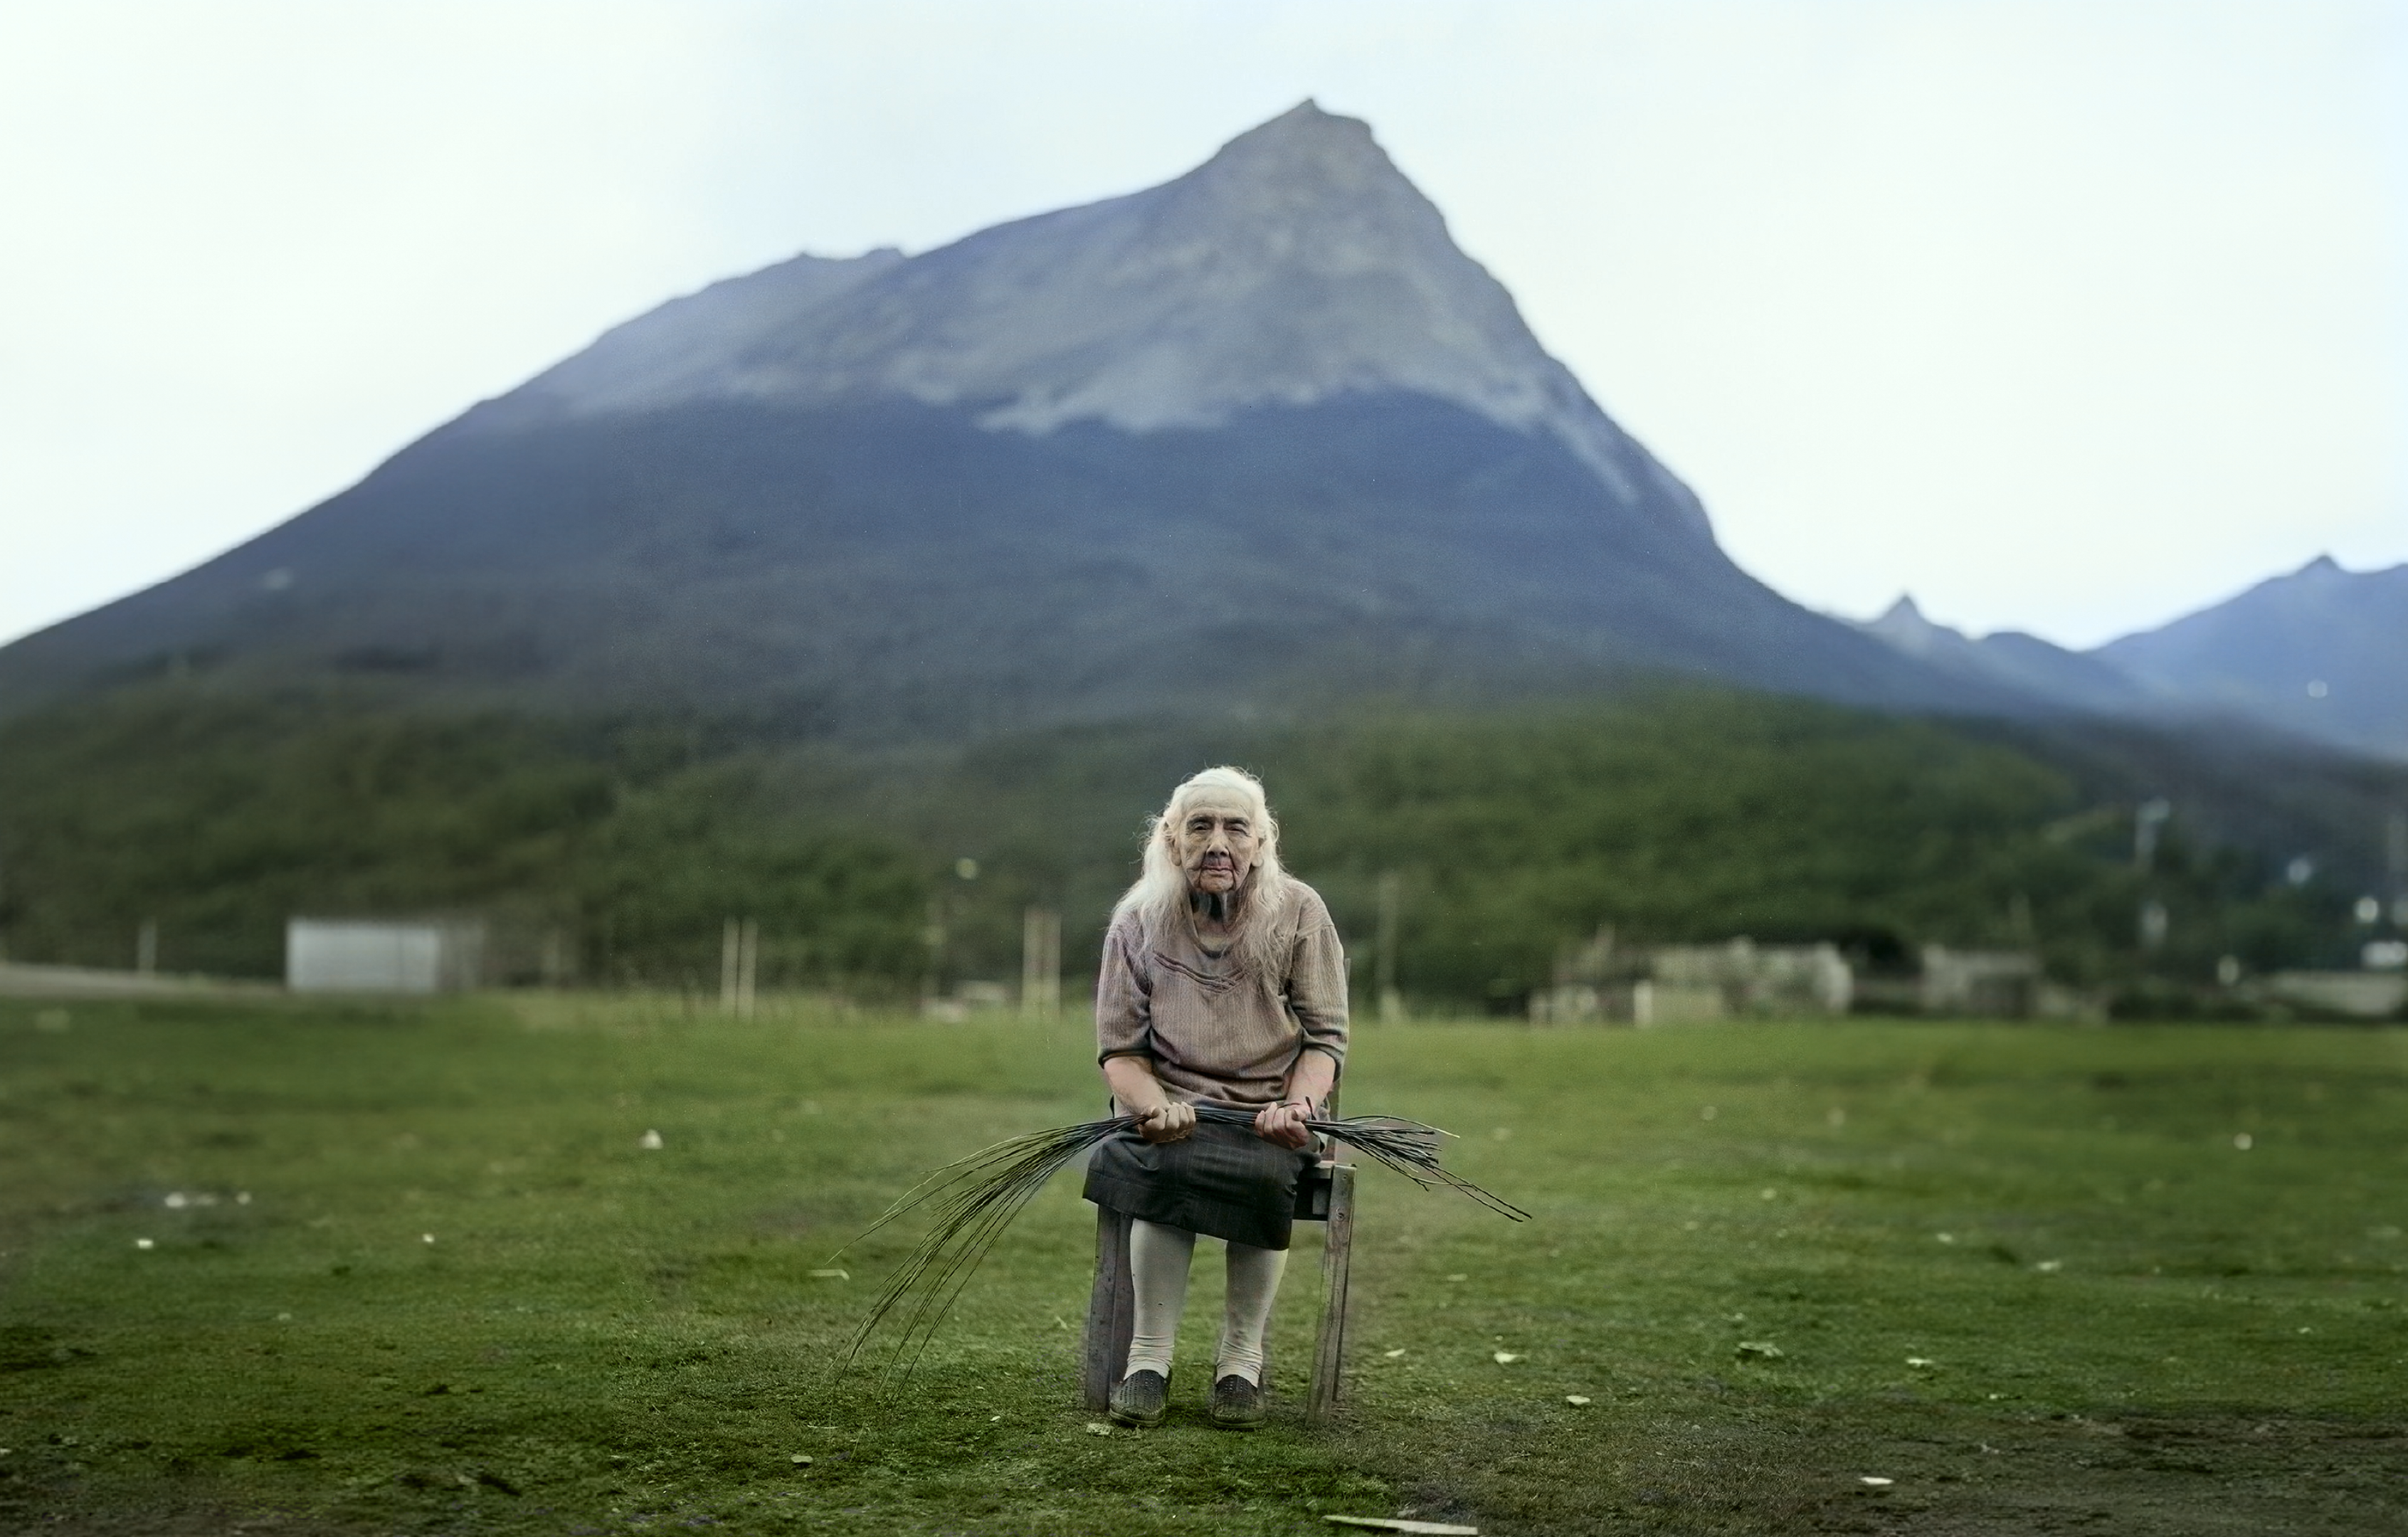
x,y
1222,982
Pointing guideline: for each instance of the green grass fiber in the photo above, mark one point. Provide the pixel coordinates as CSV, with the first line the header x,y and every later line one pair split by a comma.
x,y
460,1296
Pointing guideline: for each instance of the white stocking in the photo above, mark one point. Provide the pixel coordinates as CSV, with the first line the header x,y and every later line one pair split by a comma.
x,y
1159,1259
1245,1327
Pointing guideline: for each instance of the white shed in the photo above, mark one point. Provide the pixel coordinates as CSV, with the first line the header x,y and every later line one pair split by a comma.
x,y
382,955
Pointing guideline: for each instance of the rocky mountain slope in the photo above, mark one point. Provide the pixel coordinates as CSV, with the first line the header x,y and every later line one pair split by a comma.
x,y
1254,438
2008,659
2321,655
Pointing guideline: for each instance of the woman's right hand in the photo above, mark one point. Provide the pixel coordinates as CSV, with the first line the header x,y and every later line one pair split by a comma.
x,y
1170,1122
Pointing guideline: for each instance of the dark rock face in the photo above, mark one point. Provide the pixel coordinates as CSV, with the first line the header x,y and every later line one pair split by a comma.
x,y
899,570
1250,440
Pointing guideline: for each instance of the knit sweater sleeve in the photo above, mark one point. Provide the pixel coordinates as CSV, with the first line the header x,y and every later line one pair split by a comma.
x,y
1124,994
1316,981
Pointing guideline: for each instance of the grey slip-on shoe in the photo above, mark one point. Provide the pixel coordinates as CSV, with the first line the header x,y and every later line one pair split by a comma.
x,y
1140,1400
1236,1404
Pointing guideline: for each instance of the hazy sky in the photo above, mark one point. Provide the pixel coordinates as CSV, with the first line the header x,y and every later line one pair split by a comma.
x,y
2065,317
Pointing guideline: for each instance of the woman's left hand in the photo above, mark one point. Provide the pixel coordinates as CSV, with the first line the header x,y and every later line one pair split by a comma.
x,y
1283,1124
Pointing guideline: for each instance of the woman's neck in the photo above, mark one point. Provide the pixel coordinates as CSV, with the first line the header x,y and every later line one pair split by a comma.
x,y
1215,913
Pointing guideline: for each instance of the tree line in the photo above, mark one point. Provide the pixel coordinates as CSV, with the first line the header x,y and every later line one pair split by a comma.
x,y
614,850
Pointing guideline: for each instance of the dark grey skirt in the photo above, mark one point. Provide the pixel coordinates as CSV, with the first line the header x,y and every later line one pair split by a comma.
x,y
1224,1181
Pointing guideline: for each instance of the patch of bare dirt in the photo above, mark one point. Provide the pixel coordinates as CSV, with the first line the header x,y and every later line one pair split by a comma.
x,y
2138,1477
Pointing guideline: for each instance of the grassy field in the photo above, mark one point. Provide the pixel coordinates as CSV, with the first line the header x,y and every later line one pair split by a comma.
x,y
353,1269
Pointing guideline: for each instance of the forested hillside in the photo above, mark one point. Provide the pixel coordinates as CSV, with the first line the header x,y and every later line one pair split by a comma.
x,y
626,841
613,851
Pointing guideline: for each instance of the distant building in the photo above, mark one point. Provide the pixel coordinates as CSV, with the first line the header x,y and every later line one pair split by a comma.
x,y
1741,977
1987,984
1678,985
2353,995
382,955
1599,982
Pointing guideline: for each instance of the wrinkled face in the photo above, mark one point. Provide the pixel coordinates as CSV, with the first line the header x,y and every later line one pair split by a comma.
x,y
1216,838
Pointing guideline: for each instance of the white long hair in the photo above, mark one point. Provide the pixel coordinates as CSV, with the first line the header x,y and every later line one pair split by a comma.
x,y
1160,895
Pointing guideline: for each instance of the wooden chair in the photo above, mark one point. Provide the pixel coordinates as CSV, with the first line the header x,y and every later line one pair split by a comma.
x,y
1325,1194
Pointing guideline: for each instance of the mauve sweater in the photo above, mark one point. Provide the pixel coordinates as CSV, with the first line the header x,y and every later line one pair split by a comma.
x,y
1213,1031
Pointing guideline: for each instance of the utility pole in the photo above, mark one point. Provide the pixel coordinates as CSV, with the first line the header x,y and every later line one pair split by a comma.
x,y
1384,957
2395,852
1041,961
731,954
739,961
2146,824
748,966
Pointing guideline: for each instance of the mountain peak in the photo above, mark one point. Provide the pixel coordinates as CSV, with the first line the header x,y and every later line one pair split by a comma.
x,y
1296,266
1903,626
1305,140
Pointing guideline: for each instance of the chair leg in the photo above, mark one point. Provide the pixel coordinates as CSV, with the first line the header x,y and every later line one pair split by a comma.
x,y
1337,1257
1111,1312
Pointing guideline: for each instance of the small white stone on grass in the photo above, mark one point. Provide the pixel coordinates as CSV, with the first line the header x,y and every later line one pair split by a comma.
x,y
1097,1428
832,1276
799,1460
1920,1362
1874,1480
143,1243
1392,1355
427,1238
1578,1400
650,1142
2049,1267
1505,1358
1762,1350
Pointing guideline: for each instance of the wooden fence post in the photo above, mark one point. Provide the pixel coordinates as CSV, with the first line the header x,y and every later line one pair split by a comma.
x,y
1111,1312
1337,1258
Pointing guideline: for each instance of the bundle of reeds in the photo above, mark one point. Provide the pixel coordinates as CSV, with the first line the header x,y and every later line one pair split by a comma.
x,y
974,1199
